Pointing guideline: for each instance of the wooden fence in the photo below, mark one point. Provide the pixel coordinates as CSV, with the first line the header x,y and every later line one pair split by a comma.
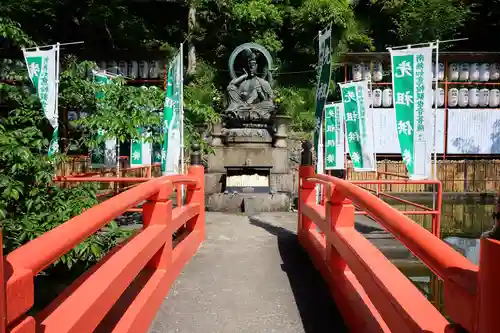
x,y
479,176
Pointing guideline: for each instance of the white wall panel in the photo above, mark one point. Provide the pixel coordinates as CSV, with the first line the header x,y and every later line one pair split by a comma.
x,y
386,138
474,131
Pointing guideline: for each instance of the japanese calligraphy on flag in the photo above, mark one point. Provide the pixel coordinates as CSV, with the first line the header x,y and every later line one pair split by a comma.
x,y
171,150
140,150
43,73
323,83
334,137
412,86
358,128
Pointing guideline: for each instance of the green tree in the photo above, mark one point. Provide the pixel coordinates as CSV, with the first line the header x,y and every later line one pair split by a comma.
x,y
415,21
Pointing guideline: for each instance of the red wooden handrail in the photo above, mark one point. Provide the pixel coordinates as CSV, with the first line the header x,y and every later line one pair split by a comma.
x,y
436,254
148,261
372,294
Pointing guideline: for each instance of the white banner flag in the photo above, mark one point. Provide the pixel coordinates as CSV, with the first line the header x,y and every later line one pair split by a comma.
x,y
412,97
43,70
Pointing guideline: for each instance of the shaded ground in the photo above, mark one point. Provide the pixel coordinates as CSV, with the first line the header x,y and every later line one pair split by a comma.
x,y
251,276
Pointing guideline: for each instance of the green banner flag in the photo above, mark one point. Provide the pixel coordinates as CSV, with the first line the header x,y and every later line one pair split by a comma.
x,y
323,85
140,150
43,71
334,137
171,152
412,97
359,132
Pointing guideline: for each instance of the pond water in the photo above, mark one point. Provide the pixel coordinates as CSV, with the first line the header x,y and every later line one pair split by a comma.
x,y
462,224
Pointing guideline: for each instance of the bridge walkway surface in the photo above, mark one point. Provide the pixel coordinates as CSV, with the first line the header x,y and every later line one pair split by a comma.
x,y
250,275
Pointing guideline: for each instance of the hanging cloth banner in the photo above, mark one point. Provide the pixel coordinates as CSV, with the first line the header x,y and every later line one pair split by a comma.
x,y
334,137
171,152
323,85
412,97
104,155
43,68
357,125
140,150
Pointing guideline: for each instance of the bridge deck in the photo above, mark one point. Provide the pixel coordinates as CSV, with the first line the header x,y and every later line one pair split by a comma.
x,y
250,275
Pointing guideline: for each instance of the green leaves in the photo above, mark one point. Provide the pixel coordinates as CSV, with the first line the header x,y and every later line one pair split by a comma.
x,y
418,21
121,111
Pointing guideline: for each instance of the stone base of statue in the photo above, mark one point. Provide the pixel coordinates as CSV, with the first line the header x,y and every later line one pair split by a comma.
x,y
249,169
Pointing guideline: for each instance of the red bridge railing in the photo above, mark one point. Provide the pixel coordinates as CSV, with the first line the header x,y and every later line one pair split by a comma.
x,y
123,291
371,293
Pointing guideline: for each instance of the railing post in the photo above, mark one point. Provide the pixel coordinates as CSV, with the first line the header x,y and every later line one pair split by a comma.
x,y
158,211
489,277
489,286
3,300
196,192
307,190
339,213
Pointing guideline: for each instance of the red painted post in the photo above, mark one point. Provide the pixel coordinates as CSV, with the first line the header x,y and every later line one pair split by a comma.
x,y
3,309
158,211
196,192
339,213
307,189
488,287
489,277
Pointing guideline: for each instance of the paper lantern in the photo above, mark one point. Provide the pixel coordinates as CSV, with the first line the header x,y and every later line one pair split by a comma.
x,y
464,72
474,72
453,73
357,72
484,72
387,98
378,71
484,97
452,97
494,98
473,97
377,98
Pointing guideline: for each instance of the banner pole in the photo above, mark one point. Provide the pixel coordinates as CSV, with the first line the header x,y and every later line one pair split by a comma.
x,y
58,44
181,102
370,87
423,44
436,95
319,148
58,70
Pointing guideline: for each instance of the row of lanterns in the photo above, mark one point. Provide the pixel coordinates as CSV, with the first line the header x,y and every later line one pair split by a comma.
x,y
134,69
456,72
456,97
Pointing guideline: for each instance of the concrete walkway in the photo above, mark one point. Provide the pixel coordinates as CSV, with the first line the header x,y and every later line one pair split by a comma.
x,y
250,276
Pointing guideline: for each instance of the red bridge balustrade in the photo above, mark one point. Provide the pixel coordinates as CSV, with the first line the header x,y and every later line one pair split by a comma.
x,y
124,290
371,293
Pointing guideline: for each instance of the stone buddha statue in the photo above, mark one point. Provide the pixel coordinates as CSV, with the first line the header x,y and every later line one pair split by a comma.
x,y
250,97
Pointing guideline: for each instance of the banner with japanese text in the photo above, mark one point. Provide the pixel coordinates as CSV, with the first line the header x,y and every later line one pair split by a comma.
x,y
43,70
322,87
140,150
412,98
358,129
334,137
171,152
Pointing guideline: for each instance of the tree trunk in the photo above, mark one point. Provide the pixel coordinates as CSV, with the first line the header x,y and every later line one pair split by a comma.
x,y
191,30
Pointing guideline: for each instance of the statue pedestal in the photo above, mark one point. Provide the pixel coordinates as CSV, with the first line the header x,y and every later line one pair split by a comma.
x,y
248,152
